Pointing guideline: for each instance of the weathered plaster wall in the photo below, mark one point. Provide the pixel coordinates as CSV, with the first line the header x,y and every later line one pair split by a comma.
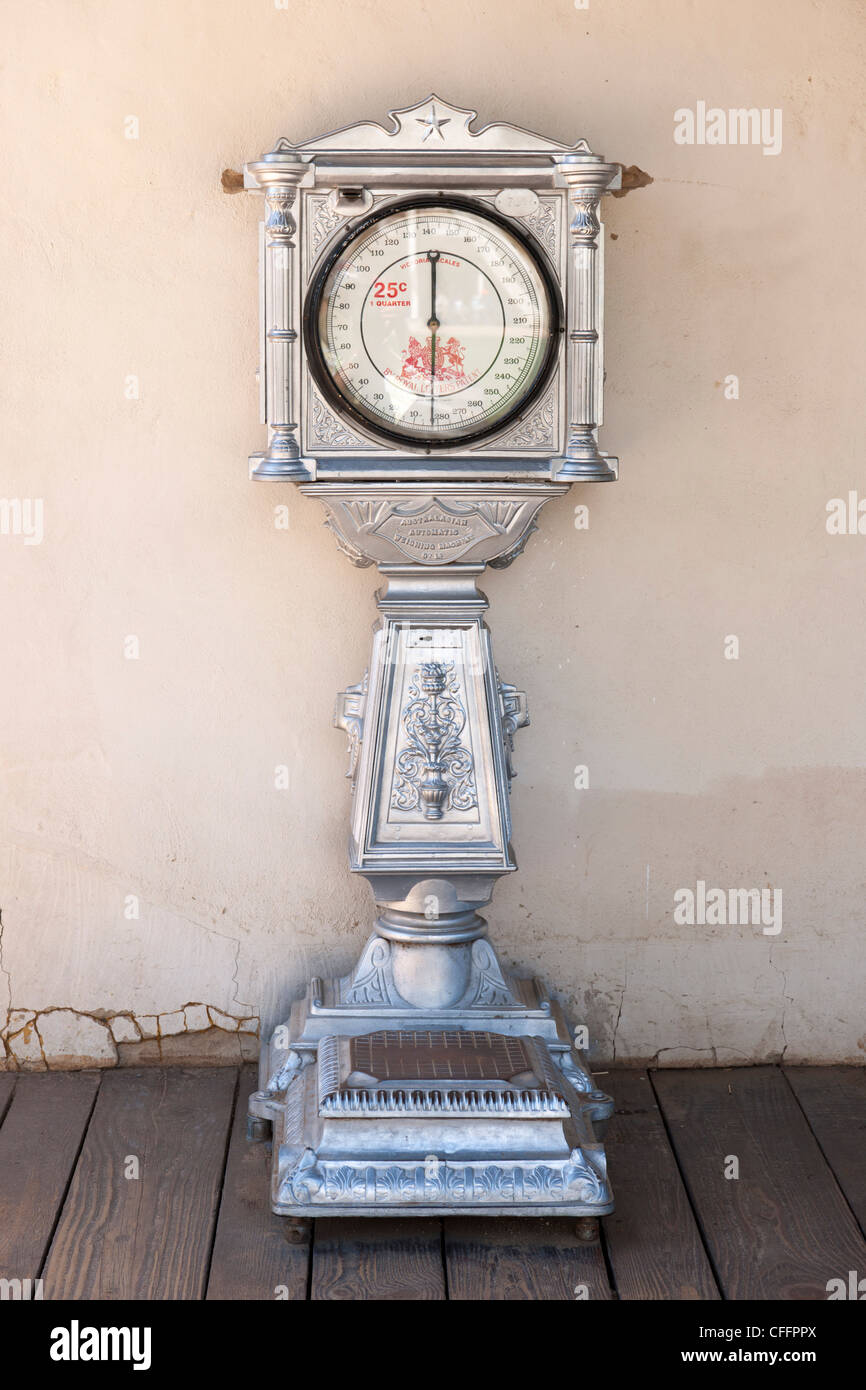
x,y
160,895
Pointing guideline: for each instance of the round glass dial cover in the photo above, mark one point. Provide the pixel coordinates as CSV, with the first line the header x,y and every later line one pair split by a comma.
x,y
432,324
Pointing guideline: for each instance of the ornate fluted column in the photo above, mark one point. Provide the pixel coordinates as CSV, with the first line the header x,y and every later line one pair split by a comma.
x,y
585,365
281,307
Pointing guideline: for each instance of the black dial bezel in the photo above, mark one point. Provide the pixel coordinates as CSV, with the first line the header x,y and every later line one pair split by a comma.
x,y
418,443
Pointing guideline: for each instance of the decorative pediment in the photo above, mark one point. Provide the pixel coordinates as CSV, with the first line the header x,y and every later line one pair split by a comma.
x,y
432,124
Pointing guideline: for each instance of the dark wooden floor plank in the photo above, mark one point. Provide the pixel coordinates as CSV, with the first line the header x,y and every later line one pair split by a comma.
x,y
378,1259
251,1257
39,1141
7,1086
147,1237
782,1228
653,1242
521,1258
834,1101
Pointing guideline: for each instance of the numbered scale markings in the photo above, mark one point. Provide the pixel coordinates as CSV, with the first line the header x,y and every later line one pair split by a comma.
x,y
432,324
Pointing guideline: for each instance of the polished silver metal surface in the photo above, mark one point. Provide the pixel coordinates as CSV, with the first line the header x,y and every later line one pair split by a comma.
x,y
429,1079
431,729
544,189
351,1143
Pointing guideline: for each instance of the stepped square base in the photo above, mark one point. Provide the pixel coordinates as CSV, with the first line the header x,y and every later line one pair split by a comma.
x,y
466,1113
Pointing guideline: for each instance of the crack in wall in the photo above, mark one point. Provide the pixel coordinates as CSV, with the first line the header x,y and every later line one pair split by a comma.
x,y
683,1047
3,970
619,1012
61,1038
145,895
236,942
786,1000
4,1053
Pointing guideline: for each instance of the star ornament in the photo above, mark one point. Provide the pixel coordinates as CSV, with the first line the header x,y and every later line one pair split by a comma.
x,y
432,122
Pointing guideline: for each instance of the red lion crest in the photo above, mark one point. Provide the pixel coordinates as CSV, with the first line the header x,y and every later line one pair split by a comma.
x,y
417,370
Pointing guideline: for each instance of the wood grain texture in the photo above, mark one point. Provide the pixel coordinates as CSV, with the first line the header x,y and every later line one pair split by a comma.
x,y
653,1242
378,1259
782,1229
39,1141
147,1237
522,1259
7,1088
834,1102
251,1257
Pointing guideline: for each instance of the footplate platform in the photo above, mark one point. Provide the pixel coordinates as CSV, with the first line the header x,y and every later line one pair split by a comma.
x,y
426,1122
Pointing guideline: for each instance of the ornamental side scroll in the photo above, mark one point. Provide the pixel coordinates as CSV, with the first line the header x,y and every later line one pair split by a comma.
x,y
371,983
349,716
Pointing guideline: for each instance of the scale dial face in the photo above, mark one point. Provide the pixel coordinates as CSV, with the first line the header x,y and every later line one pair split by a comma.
x,y
432,324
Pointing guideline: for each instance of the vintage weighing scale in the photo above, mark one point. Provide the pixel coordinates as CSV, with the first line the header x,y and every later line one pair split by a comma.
x,y
432,374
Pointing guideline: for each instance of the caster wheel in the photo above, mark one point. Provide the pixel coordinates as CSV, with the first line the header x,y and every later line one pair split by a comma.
x,y
586,1229
297,1229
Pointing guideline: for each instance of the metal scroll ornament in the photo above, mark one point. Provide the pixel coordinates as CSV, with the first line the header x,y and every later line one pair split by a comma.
x,y
435,771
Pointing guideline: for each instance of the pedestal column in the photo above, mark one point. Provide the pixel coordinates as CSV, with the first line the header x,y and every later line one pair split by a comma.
x,y
429,1079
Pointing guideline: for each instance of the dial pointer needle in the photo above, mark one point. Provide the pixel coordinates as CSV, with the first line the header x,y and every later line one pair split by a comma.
x,y
432,324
